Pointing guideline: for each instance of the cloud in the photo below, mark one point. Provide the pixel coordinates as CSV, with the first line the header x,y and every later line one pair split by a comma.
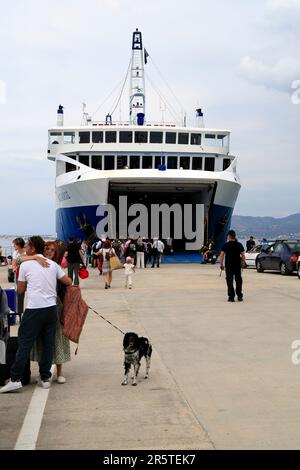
x,y
278,76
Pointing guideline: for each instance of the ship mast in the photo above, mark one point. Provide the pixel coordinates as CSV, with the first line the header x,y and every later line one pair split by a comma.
x,y
137,81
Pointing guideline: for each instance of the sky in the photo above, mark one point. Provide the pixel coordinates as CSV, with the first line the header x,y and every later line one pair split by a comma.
x,y
239,61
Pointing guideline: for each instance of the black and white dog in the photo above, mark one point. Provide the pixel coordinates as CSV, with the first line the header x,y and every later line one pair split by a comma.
x,y
135,347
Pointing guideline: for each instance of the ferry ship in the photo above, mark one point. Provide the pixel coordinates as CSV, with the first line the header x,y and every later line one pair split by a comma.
x,y
149,163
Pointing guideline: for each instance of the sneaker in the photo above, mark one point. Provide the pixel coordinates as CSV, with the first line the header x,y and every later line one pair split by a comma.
x,y
61,379
44,383
230,299
11,387
240,299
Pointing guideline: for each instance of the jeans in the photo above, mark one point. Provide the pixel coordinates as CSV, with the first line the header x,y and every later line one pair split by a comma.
x,y
73,268
36,322
230,274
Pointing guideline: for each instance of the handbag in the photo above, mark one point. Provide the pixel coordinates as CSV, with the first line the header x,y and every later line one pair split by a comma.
x,y
115,263
83,272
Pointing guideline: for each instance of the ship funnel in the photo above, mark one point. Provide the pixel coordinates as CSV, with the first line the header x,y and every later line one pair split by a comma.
x,y
199,118
60,116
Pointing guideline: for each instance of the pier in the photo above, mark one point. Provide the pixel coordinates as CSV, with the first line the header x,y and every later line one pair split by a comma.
x,y
221,375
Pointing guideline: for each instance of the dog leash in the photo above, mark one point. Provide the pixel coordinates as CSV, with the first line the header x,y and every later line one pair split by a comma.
x,y
97,313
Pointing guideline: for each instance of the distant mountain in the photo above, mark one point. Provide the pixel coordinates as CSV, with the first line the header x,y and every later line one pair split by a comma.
x,y
267,227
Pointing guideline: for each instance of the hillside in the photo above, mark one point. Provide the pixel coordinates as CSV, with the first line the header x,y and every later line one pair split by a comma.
x,y
268,227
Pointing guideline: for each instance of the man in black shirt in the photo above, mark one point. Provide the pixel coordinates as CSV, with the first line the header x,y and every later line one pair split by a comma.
x,y
234,254
74,258
250,244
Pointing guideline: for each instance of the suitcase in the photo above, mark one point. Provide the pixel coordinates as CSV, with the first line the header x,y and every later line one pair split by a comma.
x,y
11,349
12,303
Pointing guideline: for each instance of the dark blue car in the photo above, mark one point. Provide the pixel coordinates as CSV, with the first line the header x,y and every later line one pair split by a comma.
x,y
282,256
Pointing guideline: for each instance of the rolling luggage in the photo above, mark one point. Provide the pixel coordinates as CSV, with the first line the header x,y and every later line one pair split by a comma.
x,y
9,342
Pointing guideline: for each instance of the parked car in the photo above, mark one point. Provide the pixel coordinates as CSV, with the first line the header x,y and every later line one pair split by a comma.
x,y
250,256
281,256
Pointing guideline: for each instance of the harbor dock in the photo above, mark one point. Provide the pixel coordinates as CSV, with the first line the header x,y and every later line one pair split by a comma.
x,y
221,375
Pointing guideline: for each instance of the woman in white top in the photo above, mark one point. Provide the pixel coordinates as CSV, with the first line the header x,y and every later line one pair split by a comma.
x,y
104,255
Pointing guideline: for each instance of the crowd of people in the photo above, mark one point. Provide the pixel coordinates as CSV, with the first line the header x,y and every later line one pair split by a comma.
x,y
38,269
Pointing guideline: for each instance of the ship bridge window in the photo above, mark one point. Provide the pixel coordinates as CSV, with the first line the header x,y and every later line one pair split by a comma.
x,y
84,159
209,164
84,137
156,137
184,163
97,162
110,137
183,138
226,163
121,162
69,137
172,163
109,162
141,137
222,140
55,138
210,140
147,161
125,137
158,161
170,137
134,161
197,163
195,139
69,166
97,137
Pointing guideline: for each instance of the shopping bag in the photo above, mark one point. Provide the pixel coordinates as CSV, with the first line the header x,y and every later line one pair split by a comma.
x,y
83,272
115,263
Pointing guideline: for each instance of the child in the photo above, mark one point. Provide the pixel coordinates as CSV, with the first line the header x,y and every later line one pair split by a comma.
x,y
129,269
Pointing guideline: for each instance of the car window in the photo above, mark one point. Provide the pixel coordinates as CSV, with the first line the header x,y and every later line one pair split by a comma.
x,y
278,248
294,246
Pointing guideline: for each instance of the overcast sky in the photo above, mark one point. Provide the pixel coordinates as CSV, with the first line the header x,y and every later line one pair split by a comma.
x,y
235,59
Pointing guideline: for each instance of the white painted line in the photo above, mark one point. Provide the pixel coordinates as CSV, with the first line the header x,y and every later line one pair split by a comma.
x,y
29,433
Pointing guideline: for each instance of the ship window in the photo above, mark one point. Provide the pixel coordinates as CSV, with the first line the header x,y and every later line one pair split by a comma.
x,y
209,164
121,162
156,137
226,163
210,136
125,137
109,162
110,137
185,163
183,138
55,138
147,161
170,137
134,161
70,167
197,163
84,137
140,137
195,139
84,159
157,162
224,140
172,163
97,162
69,137
97,137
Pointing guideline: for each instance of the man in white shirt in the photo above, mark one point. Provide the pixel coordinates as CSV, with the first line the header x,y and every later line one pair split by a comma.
x,y
40,316
158,250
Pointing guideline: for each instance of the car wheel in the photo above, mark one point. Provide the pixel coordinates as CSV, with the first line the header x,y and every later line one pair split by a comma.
x,y
284,270
259,267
